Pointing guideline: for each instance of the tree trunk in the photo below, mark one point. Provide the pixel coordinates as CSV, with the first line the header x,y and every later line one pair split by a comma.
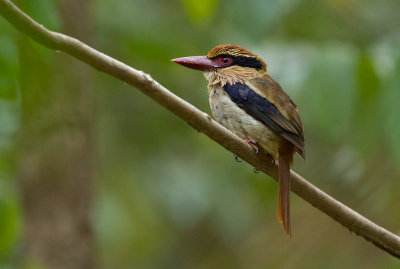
x,y
56,163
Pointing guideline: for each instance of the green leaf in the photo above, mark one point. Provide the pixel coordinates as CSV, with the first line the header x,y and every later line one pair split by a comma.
x,y
367,77
391,113
200,10
365,117
9,225
8,63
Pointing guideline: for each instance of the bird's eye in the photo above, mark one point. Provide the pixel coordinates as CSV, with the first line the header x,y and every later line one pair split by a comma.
x,y
224,61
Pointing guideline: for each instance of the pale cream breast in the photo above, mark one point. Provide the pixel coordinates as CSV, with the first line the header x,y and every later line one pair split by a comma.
x,y
227,113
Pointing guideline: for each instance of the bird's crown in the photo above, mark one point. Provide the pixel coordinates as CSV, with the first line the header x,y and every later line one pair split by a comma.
x,y
232,50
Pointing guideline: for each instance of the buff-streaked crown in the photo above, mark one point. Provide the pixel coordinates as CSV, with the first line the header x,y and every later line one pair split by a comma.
x,y
233,50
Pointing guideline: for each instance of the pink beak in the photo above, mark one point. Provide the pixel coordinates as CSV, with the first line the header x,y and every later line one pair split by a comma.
x,y
201,63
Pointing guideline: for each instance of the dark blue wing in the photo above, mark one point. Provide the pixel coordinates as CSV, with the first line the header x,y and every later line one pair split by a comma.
x,y
261,109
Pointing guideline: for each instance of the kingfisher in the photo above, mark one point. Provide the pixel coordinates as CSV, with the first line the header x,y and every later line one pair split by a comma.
x,y
245,99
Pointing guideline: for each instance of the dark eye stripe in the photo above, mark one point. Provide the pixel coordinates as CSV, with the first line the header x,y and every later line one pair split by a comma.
x,y
244,61
247,62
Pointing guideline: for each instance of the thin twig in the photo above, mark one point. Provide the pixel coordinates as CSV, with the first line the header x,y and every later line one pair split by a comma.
x,y
202,122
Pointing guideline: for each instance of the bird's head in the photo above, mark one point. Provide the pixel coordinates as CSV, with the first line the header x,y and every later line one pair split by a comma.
x,y
225,60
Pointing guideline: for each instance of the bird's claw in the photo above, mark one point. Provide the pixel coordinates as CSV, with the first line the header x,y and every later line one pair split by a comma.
x,y
237,159
256,170
252,144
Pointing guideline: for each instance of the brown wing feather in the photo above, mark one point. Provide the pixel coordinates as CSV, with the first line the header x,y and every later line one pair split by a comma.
x,y
273,92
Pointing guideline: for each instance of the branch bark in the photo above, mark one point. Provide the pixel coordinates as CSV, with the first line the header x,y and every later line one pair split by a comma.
x,y
203,123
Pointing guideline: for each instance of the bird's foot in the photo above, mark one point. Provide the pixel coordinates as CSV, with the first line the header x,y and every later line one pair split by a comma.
x,y
256,170
237,159
252,144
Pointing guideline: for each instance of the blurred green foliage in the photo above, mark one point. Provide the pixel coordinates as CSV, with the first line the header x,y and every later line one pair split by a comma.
x,y
167,196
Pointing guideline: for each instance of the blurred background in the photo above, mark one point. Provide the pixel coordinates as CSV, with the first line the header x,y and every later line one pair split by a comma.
x,y
93,174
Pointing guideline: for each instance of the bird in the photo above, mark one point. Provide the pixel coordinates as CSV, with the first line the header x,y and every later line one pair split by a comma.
x,y
246,100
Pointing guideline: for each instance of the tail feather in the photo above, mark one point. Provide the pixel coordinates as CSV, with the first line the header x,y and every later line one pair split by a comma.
x,y
284,191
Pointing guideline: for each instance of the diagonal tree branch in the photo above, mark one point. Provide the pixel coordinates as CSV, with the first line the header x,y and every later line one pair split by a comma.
x,y
202,122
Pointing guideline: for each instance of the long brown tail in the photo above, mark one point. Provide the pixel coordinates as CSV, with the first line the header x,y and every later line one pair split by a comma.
x,y
284,191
